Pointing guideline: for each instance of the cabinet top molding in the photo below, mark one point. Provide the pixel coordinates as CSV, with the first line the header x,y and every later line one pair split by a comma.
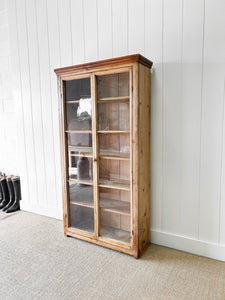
x,y
107,62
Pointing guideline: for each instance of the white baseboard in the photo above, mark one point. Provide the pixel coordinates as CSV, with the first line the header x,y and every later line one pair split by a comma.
x,y
202,248
166,239
52,212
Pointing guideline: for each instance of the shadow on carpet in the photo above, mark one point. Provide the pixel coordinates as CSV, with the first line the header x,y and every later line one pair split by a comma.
x,y
4,215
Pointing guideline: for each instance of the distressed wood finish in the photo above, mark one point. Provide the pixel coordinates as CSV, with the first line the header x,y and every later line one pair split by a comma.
x,y
144,159
105,63
121,203
63,149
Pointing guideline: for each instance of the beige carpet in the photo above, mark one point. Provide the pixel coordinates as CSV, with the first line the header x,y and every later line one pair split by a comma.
x,y
5,215
38,262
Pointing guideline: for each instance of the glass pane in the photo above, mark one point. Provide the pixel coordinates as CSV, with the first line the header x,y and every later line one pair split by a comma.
x,y
81,207
113,116
80,156
80,168
81,194
78,104
115,227
113,85
78,115
82,218
81,142
77,88
117,201
114,144
114,172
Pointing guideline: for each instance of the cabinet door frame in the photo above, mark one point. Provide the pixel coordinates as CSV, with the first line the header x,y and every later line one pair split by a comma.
x,y
64,157
119,69
64,154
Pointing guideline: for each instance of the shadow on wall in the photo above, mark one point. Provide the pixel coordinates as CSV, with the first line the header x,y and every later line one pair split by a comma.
x,y
187,146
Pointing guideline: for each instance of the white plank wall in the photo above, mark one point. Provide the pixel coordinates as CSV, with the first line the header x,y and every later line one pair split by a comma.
x,y
185,39
172,106
191,115
8,161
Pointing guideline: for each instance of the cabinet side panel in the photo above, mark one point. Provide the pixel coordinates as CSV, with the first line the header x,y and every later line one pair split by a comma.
x,y
144,160
135,159
63,148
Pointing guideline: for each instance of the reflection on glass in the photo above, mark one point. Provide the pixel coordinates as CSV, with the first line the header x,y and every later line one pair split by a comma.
x,y
113,85
78,104
78,115
82,217
80,156
81,142
81,169
114,144
81,194
81,207
113,116
74,89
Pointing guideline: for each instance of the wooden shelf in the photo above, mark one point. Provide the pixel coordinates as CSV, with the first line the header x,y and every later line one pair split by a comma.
x,y
84,202
85,182
104,154
78,131
114,99
110,205
115,184
80,148
77,101
113,131
115,206
72,101
115,234
113,157
82,155
113,154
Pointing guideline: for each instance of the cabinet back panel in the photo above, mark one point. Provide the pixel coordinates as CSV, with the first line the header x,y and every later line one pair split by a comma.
x,y
113,85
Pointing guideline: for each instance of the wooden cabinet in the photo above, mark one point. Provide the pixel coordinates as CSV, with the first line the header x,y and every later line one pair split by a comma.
x,y
104,110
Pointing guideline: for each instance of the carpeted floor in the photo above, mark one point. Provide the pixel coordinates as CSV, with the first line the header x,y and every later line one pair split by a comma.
x,y
5,215
38,262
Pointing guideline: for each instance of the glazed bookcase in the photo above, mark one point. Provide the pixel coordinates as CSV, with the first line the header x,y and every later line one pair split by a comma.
x,y
104,113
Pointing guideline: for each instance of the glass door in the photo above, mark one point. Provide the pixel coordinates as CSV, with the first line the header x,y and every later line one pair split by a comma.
x,y
113,137
78,123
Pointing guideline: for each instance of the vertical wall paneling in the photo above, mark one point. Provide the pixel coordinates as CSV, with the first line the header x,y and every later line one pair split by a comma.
x,y
91,30
119,27
221,238
54,57
221,61
153,49
212,120
185,40
172,71
191,114
136,29
77,31
8,161
45,87
18,95
64,11
27,101
105,34
35,90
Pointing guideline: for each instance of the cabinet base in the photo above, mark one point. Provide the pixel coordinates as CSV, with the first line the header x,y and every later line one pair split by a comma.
x,y
102,243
